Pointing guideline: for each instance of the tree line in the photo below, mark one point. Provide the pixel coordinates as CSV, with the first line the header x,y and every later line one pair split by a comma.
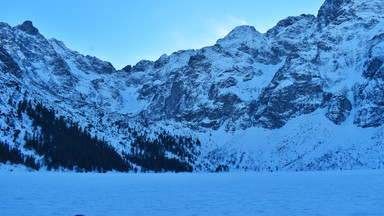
x,y
163,153
14,156
65,145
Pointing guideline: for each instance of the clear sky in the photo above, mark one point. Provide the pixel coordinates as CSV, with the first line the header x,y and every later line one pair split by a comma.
x,y
125,32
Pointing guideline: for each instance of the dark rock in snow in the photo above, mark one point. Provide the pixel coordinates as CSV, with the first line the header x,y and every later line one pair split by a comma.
x,y
28,28
374,66
9,65
199,61
142,66
339,109
163,60
330,10
228,83
127,68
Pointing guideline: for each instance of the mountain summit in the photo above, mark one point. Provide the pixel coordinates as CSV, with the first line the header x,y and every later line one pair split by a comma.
x,y
28,27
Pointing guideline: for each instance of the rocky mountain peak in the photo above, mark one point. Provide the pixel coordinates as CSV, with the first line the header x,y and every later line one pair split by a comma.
x,y
242,30
28,28
241,33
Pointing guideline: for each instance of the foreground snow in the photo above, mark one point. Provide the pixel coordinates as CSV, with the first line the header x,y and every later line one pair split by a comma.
x,y
302,193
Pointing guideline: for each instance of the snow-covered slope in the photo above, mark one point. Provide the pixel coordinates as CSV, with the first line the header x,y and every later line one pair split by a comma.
x,y
306,95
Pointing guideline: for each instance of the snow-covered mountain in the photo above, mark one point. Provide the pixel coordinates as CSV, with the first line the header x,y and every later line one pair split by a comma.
x,y
306,95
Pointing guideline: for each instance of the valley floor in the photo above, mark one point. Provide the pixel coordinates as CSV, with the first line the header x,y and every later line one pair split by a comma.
x,y
283,193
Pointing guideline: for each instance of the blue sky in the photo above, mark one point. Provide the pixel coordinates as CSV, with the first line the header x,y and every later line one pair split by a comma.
x,y
125,32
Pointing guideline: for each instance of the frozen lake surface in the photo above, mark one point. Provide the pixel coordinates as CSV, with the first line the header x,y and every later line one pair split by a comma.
x,y
302,193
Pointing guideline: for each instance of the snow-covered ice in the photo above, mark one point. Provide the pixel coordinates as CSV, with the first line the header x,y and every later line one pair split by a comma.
x,y
301,193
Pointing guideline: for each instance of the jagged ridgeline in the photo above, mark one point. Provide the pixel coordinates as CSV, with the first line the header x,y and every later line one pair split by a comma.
x,y
63,144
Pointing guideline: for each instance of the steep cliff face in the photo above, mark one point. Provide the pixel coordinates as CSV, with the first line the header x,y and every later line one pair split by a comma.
x,y
307,94
369,96
249,78
51,67
331,10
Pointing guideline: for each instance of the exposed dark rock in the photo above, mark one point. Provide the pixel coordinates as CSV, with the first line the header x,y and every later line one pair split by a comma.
x,y
276,107
370,117
61,68
229,102
213,92
249,76
370,99
199,61
266,57
142,66
9,65
330,10
173,101
374,66
339,109
100,67
28,28
127,68
147,91
97,83
289,21
228,83
163,60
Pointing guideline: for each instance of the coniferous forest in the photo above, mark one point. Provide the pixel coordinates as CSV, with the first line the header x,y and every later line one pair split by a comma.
x,y
151,155
65,145
14,156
